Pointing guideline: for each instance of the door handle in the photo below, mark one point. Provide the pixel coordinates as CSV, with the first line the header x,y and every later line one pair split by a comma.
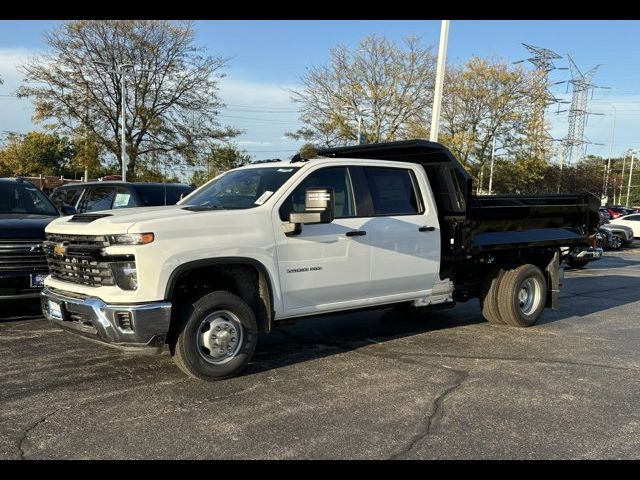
x,y
426,228
356,233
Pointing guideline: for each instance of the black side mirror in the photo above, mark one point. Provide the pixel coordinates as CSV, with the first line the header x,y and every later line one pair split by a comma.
x,y
319,207
67,210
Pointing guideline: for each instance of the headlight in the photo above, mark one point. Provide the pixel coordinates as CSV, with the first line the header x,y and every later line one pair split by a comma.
x,y
125,274
131,239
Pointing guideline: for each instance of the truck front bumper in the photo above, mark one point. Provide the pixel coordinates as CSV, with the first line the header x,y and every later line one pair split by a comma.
x,y
130,327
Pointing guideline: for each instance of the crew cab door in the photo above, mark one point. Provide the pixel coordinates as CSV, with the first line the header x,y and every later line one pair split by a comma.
x,y
325,266
404,234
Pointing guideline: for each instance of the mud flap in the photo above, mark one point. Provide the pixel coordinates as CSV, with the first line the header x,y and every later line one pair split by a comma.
x,y
553,282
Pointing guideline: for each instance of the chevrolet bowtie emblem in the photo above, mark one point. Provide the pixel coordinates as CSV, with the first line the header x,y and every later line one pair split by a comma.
x,y
59,249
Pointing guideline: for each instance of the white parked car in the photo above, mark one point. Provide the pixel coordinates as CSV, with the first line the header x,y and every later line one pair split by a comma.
x,y
632,221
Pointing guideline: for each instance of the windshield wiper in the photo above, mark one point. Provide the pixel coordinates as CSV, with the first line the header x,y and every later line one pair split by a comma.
x,y
202,208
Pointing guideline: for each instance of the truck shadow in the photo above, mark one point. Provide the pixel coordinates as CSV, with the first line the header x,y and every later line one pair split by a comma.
x,y
320,337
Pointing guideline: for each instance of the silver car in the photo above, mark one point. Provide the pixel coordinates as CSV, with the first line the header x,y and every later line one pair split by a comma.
x,y
621,235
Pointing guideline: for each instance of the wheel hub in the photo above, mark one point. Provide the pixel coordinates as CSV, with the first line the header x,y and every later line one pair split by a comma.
x,y
527,296
219,337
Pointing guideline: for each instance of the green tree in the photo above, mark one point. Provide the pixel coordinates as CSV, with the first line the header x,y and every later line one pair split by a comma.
x,y
35,153
219,159
487,98
308,150
172,101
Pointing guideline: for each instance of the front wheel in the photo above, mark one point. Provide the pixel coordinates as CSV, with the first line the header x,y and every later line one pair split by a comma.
x,y
218,337
522,295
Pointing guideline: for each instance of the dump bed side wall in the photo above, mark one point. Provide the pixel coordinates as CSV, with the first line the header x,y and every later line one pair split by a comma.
x,y
500,222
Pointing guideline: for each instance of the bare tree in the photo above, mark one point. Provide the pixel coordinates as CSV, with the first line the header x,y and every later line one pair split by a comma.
x,y
387,85
172,107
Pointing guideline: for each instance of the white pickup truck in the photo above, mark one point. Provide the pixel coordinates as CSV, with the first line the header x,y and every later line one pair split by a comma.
x,y
360,227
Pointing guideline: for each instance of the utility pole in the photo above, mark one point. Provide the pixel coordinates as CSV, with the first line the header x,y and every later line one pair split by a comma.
x,y
493,152
633,152
437,95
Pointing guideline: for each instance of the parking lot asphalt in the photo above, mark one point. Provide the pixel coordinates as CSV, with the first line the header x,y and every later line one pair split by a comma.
x,y
371,385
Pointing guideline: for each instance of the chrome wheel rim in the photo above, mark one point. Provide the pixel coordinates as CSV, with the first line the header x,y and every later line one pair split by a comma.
x,y
220,336
616,242
529,296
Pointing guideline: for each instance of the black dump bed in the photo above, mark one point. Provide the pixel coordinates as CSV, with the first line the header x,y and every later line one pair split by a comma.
x,y
471,223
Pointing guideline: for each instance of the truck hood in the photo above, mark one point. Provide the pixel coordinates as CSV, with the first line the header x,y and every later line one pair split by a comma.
x,y
128,220
22,225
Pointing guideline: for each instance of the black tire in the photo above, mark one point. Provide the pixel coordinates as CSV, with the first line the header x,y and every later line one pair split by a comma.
x,y
513,310
577,263
616,242
234,315
489,296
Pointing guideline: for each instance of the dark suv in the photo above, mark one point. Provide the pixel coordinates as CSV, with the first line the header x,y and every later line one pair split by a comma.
x,y
24,213
93,196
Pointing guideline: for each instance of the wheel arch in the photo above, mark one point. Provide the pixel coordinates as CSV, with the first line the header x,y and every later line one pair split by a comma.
x,y
265,282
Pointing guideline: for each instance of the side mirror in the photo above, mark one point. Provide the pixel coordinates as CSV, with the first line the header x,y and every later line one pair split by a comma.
x,y
319,207
67,210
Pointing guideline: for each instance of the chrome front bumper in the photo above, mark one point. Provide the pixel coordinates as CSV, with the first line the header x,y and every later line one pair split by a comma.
x,y
123,326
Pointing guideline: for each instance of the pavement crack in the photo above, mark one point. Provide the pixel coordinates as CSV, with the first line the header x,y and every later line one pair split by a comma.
x,y
434,415
29,429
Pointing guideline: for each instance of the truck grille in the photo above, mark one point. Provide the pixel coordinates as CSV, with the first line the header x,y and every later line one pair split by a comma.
x,y
80,260
22,255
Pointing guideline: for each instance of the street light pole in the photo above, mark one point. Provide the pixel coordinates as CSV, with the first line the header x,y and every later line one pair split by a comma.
x,y
123,145
624,163
359,114
633,152
613,131
437,94
121,70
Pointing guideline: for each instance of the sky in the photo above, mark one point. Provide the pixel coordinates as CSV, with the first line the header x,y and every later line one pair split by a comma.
x,y
268,57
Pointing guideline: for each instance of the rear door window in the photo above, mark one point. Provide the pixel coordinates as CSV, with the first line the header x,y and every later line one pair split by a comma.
x,y
393,191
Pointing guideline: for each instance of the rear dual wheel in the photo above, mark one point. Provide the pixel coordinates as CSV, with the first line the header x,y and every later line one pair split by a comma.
x,y
515,296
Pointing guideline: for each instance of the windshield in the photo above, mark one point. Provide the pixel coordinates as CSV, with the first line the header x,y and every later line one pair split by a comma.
x,y
237,189
24,198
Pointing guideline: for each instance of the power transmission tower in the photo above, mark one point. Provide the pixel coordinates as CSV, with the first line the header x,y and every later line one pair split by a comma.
x,y
543,61
578,112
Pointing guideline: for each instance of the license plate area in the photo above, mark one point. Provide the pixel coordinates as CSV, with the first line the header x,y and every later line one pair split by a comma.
x,y
37,280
